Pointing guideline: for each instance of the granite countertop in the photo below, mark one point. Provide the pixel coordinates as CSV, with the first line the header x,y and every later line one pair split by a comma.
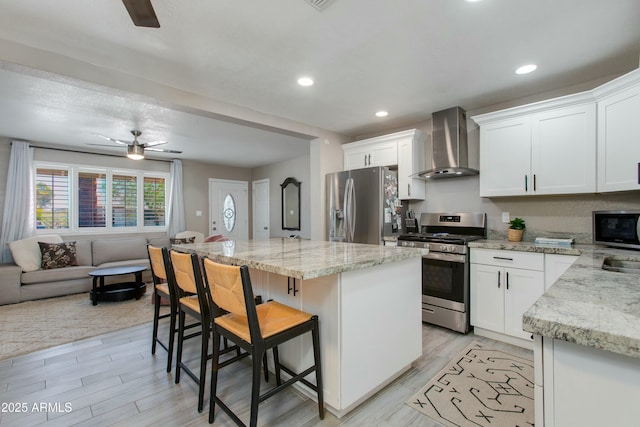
x,y
299,258
586,305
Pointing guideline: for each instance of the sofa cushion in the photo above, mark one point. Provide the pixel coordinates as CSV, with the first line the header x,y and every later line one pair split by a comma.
x,y
83,252
56,275
58,255
26,252
113,250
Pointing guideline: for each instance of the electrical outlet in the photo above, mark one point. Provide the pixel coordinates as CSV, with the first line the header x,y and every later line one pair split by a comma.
x,y
505,217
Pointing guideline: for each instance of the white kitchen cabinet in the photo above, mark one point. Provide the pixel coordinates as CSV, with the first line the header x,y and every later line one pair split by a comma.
x,y
402,149
504,284
411,161
618,147
505,157
370,153
584,386
543,148
555,266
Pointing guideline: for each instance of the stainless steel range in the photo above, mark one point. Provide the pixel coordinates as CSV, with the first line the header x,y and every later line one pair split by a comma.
x,y
445,270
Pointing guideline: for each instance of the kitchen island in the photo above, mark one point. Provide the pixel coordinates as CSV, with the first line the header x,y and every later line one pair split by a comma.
x,y
367,297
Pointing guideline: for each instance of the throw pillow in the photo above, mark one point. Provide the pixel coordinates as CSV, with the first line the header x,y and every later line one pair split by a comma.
x,y
26,252
182,240
58,255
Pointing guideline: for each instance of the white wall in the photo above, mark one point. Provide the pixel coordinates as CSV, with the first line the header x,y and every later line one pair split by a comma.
x,y
298,168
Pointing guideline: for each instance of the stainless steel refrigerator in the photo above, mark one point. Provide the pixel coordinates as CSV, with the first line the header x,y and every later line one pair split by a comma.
x,y
363,206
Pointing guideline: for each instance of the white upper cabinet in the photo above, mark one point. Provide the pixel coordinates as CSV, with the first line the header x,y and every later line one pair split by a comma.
x,y
411,161
402,149
505,157
544,148
369,153
618,144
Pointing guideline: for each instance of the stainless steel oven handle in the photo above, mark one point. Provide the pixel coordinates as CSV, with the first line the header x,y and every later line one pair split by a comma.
x,y
429,310
446,257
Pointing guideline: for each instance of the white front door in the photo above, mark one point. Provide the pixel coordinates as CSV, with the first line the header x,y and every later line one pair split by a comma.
x,y
229,208
261,209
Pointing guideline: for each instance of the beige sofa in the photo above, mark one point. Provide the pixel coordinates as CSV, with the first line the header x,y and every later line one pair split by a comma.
x,y
17,286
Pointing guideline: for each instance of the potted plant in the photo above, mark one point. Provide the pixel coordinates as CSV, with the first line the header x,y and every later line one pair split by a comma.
x,y
516,228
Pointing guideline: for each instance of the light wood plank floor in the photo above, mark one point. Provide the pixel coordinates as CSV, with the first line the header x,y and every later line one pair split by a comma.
x,y
113,379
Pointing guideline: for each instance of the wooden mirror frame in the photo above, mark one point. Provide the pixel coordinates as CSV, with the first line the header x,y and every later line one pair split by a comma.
x,y
290,204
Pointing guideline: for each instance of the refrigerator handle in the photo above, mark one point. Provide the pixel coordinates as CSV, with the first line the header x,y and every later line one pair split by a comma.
x,y
352,210
345,207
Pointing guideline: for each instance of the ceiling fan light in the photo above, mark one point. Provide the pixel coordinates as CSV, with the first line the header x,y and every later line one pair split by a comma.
x,y
135,152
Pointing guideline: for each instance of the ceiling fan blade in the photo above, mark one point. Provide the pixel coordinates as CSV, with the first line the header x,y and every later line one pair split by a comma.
x,y
154,143
117,141
101,145
163,150
142,13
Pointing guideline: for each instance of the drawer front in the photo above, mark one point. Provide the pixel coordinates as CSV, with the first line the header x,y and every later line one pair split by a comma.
x,y
514,259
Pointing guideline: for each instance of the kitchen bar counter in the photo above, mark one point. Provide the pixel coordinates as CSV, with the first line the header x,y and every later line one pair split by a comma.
x,y
586,305
367,297
301,259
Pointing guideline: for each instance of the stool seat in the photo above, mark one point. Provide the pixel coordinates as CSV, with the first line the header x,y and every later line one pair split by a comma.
x,y
272,316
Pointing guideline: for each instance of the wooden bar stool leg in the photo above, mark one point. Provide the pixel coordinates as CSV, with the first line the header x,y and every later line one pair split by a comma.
x,y
316,359
172,334
156,318
255,385
204,354
214,377
181,319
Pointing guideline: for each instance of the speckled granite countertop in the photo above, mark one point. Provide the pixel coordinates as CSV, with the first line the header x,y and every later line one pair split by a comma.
x,y
301,259
586,305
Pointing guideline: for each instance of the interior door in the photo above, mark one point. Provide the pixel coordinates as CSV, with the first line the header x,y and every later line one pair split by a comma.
x,y
261,217
229,208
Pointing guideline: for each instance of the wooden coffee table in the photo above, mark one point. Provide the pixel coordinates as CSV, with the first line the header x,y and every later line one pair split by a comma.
x,y
117,291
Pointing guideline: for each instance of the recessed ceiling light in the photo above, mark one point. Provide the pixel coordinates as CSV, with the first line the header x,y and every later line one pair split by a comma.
x,y
382,113
525,69
305,81
473,1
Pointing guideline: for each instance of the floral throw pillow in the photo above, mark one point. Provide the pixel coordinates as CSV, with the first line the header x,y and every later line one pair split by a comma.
x,y
58,255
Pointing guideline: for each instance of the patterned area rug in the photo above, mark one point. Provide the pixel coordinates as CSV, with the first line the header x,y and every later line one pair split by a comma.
x,y
480,387
35,325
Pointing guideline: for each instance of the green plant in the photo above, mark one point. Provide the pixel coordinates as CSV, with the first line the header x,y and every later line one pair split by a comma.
x,y
517,224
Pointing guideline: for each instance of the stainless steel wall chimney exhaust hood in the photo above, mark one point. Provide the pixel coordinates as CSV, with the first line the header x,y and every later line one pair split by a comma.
x,y
446,153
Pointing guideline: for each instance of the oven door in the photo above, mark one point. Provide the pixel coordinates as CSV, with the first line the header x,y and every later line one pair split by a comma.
x,y
444,281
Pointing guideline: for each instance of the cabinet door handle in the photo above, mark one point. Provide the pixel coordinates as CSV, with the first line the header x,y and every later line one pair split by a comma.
x,y
534,182
365,160
409,189
526,183
289,288
369,160
507,280
498,279
295,291
503,258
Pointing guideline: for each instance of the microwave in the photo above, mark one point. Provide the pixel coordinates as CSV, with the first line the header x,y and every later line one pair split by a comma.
x,y
620,229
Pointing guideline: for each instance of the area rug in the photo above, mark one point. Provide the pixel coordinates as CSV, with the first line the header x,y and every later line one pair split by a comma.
x,y
480,387
34,325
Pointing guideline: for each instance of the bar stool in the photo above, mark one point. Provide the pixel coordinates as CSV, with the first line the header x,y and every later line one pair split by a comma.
x,y
255,328
185,272
161,289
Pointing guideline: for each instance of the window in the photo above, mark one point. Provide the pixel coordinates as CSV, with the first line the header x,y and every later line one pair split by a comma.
x,y
52,199
87,199
124,201
154,201
92,199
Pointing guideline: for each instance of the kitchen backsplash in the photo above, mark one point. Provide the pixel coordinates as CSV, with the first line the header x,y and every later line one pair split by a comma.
x,y
545,216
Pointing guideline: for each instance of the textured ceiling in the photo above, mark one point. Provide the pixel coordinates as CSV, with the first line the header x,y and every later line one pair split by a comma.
x,y
409,57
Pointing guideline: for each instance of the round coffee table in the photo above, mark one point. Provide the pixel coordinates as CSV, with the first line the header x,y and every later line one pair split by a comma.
x,y
117,291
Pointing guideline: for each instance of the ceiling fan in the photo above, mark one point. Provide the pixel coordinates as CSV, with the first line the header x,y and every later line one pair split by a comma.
x,y
142,13
135,150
